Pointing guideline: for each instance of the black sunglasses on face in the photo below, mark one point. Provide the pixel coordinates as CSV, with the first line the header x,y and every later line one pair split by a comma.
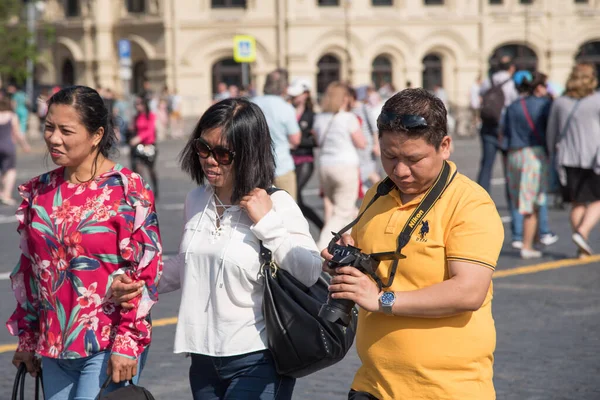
x,y
221,154
408,122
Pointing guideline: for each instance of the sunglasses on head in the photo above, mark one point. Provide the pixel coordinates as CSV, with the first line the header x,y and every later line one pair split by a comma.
x,y
408,122
221,154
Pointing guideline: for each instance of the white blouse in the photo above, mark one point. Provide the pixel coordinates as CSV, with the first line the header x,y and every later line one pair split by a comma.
x,y
218,271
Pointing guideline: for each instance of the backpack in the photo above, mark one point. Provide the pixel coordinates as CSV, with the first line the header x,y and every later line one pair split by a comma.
x,y
492,103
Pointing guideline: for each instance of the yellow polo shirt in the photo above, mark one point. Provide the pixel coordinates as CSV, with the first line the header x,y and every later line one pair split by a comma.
x,y
430,358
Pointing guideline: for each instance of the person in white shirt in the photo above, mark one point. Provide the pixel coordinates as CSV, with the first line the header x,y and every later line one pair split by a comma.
x,y
338,136
221,322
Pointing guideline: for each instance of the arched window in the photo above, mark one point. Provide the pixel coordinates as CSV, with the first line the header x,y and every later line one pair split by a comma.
x,y
382,71
432,71
72,8
522,57
227,71
590,53
329,71
140,69
67,73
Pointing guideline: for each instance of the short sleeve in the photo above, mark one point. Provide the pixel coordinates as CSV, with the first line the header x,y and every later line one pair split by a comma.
x,y
476,232
353,123
289,120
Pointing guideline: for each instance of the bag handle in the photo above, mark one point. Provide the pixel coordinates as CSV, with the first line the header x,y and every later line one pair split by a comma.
x,y
531,123
322,142
18,392
106,383
563,132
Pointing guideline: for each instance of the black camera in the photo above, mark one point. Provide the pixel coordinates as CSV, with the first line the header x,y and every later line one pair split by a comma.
x,y
338,310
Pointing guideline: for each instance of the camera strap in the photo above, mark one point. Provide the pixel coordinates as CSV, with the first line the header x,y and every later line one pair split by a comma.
x,y
442,181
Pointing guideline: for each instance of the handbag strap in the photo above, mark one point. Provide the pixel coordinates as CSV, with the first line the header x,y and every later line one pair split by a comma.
x,y
322,142
105,385
19,382
265,255
530,122
367,119
563,132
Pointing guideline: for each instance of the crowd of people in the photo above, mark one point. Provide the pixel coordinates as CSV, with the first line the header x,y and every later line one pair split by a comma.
x,y
549,147
91,266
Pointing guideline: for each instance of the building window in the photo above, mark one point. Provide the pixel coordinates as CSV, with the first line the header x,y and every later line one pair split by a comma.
x,y
526,1
383,2
226,71
329,2
329,71
382,71
67,73
590,53
521,56
136,6
432,72
582,1
72,8
434,2
228,3
496,2
140,70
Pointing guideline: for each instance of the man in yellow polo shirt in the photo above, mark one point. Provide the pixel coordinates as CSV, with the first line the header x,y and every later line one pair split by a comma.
x,y
430,335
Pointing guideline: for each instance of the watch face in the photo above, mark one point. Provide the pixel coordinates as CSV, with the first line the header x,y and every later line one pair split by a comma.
x,y
388,298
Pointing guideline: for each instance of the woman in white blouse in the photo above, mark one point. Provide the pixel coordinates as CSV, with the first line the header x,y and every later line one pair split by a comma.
x,y
221,323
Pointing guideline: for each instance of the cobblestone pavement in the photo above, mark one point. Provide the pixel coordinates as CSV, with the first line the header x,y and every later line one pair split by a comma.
x,y
547,321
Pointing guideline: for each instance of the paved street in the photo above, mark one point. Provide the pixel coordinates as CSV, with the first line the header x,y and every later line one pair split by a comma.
x,y
547,316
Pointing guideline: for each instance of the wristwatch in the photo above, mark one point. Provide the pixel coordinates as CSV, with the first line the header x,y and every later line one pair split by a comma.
x,y
387,300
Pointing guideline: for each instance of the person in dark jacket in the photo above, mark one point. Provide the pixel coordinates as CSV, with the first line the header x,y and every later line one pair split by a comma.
x,y
299,93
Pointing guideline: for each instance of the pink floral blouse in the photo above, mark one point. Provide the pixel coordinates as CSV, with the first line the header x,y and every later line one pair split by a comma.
x,y
74,240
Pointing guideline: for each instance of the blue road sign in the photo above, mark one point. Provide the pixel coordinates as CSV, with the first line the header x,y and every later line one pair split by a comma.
x,y
124,48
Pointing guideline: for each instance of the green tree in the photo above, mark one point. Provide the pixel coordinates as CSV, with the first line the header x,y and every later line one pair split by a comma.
x,y
15,45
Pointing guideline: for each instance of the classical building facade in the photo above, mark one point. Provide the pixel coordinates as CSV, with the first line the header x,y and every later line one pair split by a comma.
x,y
188,44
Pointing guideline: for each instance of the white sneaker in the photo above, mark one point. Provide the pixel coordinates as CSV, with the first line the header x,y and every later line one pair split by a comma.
x,y
548,238
529,254
517,244
582,243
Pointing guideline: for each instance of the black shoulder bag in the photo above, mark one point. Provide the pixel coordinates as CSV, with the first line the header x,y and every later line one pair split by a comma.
x,y
18,392
129,392
302,342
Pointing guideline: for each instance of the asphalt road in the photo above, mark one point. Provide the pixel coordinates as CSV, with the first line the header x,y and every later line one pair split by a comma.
x,y
547,315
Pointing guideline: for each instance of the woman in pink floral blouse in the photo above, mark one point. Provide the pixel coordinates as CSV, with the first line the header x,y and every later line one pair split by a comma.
x,y
81,225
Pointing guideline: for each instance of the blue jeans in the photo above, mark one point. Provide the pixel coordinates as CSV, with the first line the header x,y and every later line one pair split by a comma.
x,y
517,222
249,376
80,378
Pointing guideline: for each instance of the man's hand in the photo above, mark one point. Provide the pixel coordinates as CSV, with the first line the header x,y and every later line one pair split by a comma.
x,y
344,241
121,368
352,284
27,357
124,289
257,204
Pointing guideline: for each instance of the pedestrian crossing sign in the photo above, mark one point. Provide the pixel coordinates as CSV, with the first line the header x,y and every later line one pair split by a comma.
x,y
244,49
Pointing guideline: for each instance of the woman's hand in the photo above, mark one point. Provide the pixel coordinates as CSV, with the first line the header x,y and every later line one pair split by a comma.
x,y
352,284
124,289
135,141
31,362
257,204
121,368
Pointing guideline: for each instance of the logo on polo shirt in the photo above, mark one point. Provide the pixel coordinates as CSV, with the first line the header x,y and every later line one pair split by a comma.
x,y
423,231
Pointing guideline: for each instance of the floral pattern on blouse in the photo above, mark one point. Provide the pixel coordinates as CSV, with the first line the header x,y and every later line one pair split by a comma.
x,y
74,239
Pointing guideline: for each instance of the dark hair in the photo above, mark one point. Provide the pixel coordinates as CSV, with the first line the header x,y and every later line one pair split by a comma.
x,y
276,82
5,104
93,114
146,105
420,102
308,103
246,132
505,63
529,87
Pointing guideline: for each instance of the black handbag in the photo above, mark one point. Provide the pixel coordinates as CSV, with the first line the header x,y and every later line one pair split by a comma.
x,y
301,342
18,392
130,392
145,152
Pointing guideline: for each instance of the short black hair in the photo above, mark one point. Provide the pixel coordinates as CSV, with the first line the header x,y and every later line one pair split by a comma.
x,y
420,102
92,112
246,132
